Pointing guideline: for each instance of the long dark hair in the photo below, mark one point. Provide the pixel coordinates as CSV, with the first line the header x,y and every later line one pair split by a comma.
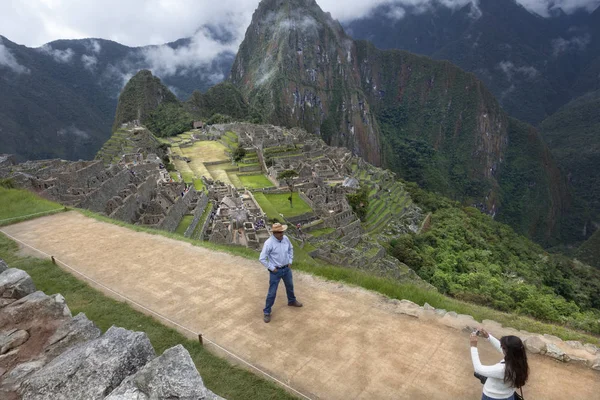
x,y
515,359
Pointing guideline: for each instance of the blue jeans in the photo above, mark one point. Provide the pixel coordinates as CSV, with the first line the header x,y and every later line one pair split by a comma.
x,y
484,397
274,278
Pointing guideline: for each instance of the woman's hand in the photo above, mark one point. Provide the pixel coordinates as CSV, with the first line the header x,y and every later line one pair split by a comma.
x,y
484,333
473,339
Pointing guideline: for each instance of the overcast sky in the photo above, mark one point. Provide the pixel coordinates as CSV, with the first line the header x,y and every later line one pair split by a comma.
x,y
144,22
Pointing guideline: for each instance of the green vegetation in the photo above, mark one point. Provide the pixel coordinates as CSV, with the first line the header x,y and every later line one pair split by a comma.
x,y
281,203
220,376
267,207
140,96
18,204
288,176
255,181
223,98
589,251
239,153
321,232
359,202
471,257
184,224
168,119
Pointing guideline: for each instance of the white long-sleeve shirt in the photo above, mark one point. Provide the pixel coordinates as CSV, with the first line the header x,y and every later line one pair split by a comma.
x,y
494,386
277,253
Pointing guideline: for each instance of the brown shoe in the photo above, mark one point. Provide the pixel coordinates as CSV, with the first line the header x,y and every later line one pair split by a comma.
x,y
267,318
295,303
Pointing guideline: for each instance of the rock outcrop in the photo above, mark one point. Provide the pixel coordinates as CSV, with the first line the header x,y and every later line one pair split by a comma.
x,y
45,353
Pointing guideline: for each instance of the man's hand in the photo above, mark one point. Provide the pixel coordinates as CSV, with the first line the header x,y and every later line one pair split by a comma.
x,y
473,339
290,266
483,333
274,269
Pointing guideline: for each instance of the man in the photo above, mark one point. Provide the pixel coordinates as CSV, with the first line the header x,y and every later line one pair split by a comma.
x,y
277,255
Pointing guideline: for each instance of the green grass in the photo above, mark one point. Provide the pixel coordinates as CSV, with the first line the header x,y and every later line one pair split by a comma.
x,y
17,204
184,224
267,207
219,375
255,181
198,185
282,204
321,232
174,176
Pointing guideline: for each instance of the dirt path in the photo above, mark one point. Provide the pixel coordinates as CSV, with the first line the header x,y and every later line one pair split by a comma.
x,y
346,343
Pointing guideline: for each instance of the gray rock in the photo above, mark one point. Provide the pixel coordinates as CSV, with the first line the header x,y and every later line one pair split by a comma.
x,y
535,344
594,364
590,348
12,339
453,314
426,306
173,375
15,284
12,380
3,266
37,305
554,351
574,344
4,302
77,330
441,312
92,370
552,338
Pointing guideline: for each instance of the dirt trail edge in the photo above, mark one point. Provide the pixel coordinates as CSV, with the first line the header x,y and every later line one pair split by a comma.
x,y
345,343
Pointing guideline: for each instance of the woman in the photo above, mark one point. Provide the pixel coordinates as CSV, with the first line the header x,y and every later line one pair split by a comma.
x,y
504,377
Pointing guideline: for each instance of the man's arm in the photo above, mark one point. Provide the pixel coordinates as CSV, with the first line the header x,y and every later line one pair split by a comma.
x,y
290,252
264,256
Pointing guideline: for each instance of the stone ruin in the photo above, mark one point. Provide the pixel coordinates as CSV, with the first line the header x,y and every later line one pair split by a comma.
x,y
236,218
46,354
136,190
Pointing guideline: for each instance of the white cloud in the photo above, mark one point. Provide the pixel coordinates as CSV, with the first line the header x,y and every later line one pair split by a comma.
x,y
578,43
89,62
8,60
73,131
93,46
60,56
510,70
544,7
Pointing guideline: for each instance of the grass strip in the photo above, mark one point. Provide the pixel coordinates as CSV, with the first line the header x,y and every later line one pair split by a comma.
x,y
218,374
21,205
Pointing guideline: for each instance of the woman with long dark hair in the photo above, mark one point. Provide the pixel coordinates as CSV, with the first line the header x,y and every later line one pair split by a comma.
x,y
506,376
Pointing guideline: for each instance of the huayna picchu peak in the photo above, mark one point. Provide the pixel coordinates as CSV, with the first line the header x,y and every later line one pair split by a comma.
x,y
427,120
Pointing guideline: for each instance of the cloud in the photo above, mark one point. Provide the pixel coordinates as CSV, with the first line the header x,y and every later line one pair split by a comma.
x,y
510,70
93,46
200,52
577,43
545,7
8,60
60,56
73,131
89,62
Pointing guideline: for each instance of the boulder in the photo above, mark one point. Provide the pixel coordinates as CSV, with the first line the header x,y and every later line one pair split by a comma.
x,y
35,306
13,379
76,330
590,348
426,306
535,344
594,363
574,344
554,351
12,339
91,370
3,266
173,375
15,284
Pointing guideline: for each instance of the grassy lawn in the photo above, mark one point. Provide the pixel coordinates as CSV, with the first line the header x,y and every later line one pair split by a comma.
x,y
219,171
198,185
206,151
282,204
16,204
219,375
174,176
321,232
205,213
183,225
255,181
267,207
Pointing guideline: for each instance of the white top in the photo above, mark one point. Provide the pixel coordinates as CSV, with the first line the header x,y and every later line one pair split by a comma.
x,y
494,386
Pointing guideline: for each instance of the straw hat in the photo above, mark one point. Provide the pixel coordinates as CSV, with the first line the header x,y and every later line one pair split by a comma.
x,y
277,227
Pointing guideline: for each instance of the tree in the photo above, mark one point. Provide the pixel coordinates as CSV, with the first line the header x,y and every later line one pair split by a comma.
x,y
288,176
239,153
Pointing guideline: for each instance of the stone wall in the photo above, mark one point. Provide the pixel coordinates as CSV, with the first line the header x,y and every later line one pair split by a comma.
x,y
132,203
177,211
200,206
96,200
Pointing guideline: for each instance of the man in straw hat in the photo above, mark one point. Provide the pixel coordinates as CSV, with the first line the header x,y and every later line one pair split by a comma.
x,y
277,255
